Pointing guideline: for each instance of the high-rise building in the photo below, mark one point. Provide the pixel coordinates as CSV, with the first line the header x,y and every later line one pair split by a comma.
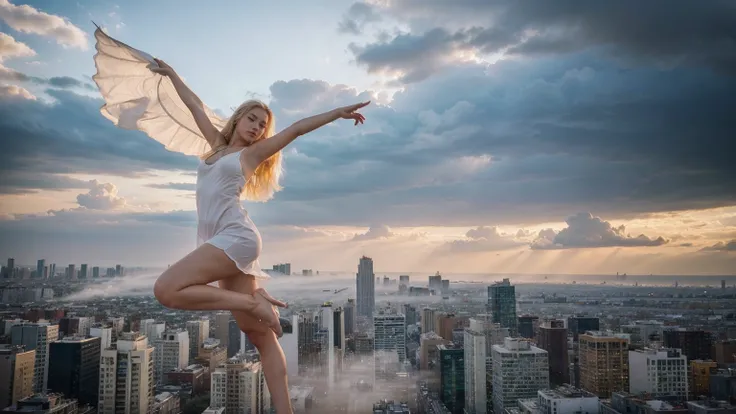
x,y
428,316
40,266
349,311
452,377
233,341
578,325
83,271
604,362
553,339
36,336
658,372
74,368
199,330
290,345
16,371
239,386
695,344
502,304
126,376
96,272
389,343
528,325
71,326
103,332
222,327
478,341
365,287
411,314
171,352
435,283
699,379
519,371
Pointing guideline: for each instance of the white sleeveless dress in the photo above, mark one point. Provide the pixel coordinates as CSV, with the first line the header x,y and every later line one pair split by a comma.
x,y
221,219
138,99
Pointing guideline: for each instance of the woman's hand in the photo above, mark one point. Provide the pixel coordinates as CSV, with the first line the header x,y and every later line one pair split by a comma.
x,y
348,112
163,68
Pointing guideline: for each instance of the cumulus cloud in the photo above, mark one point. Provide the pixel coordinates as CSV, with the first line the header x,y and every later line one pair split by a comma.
x,y
27,19
101,196
13,91
721,247
357,17
375,233
10,48
484,238
583,231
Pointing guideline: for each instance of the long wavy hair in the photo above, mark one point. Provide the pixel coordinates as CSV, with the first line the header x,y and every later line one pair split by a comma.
x,y
264,182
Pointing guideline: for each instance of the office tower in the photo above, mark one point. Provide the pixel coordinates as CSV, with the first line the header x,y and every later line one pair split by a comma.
x,y
452,377
233,341
83,271
239,386
103,332
604,362
478,340
199,330
96,272
74,368
365,287
553,339
434,283
528,325
644,332
126,376
290,345
329,336
40,266
578,325
71,326
16,374
519,371
211,355
428,343
725,351
695,344
428,316
404,280
144,328
222,327
502,304
349,311
37,336
389,343
171,352
658,372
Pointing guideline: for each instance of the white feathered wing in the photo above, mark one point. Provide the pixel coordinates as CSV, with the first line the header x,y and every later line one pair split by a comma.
x,y
136,98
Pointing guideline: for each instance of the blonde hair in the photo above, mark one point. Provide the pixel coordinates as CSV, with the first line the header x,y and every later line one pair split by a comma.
x,y
264,182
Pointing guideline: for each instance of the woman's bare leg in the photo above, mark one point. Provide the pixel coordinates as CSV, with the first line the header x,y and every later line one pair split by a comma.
x,y
264,339
184,286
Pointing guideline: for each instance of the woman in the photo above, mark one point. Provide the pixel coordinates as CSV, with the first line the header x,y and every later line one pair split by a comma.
x,y
244,159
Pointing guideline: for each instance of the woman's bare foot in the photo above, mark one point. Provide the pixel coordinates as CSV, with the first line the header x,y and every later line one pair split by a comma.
x,y
266,310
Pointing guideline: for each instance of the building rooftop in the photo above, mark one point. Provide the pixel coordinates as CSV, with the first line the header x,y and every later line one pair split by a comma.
x,y
566,391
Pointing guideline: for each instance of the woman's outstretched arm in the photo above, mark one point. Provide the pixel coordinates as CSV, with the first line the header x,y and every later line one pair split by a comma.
x,y
193,103
264,149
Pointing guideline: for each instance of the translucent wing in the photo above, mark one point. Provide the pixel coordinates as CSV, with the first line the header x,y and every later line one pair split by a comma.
x,y
136,98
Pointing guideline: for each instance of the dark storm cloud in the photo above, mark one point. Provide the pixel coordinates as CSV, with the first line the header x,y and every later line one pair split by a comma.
x,y
655,32
41,140
563,135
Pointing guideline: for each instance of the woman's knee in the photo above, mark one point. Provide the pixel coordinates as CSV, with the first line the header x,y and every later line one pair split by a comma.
x,y
165,291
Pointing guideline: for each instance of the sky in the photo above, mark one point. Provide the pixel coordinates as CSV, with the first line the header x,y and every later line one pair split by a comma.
x,y
565,137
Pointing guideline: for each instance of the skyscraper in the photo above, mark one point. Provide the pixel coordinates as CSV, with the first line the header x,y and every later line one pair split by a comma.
x,y
502,304
366,287
37,336
553,339
16,372
74,368
519,371
126,376
604,362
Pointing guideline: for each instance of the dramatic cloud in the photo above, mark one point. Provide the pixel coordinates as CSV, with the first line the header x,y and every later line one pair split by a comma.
x,y
10,48
102,196
444,32
583,230
722,247
70,136
358,15
27,19
12,91
482,239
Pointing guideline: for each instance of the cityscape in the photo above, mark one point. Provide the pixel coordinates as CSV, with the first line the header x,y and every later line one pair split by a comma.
x,y
372,343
